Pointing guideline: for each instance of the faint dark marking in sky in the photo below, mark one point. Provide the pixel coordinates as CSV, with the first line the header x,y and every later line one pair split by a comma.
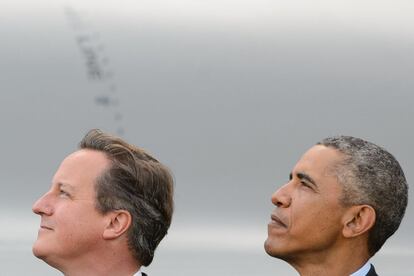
x,y
97,64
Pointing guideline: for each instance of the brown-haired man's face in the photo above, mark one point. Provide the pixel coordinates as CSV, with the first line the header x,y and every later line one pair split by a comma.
x,y
71,227
308,214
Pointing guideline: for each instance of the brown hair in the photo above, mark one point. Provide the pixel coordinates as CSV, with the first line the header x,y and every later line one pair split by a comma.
x,y
138,183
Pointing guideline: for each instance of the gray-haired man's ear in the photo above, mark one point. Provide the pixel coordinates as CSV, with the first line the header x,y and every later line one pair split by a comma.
x,y
359,219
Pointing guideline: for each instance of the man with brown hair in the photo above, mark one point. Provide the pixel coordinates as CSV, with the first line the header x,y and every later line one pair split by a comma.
x,y
109,206
345,197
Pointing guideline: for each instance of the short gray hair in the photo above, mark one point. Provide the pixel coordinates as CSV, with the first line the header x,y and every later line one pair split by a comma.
x,y
371,175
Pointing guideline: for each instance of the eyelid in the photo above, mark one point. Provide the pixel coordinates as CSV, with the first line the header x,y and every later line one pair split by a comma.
x,y
309,185
62,191
306,184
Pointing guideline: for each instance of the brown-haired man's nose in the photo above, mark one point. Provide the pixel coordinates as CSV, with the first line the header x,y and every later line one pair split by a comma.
x,y
281,197
43,206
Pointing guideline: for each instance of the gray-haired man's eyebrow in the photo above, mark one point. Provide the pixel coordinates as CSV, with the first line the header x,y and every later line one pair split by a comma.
x,y
307,178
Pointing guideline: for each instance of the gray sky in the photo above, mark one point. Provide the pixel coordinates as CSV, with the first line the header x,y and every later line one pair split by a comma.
x,y
228,94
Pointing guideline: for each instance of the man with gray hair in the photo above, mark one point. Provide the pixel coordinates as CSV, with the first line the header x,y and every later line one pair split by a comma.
x,y
345,197
109,206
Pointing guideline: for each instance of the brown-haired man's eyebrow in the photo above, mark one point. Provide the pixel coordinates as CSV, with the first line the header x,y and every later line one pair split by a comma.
x,y
65,186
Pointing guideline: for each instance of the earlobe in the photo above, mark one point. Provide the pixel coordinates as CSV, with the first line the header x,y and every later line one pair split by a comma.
x,y
118,223
358,220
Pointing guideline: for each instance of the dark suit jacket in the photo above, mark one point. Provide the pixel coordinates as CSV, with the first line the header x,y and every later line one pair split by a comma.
x,y
143,274
372,272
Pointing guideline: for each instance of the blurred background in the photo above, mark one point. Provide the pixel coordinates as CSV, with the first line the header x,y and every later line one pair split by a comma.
x,y
228,94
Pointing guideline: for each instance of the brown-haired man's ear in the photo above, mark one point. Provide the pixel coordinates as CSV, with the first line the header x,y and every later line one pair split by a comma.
x,y
118,223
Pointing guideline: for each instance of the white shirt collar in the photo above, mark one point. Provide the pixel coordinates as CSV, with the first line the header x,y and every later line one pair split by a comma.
x,y
363,270
138,273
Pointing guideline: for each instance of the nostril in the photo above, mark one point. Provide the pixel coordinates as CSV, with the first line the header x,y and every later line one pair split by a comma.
x,y
280,201
276,198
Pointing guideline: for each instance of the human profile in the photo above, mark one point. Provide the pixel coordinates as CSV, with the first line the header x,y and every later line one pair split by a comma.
x,y
109,205
345,197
